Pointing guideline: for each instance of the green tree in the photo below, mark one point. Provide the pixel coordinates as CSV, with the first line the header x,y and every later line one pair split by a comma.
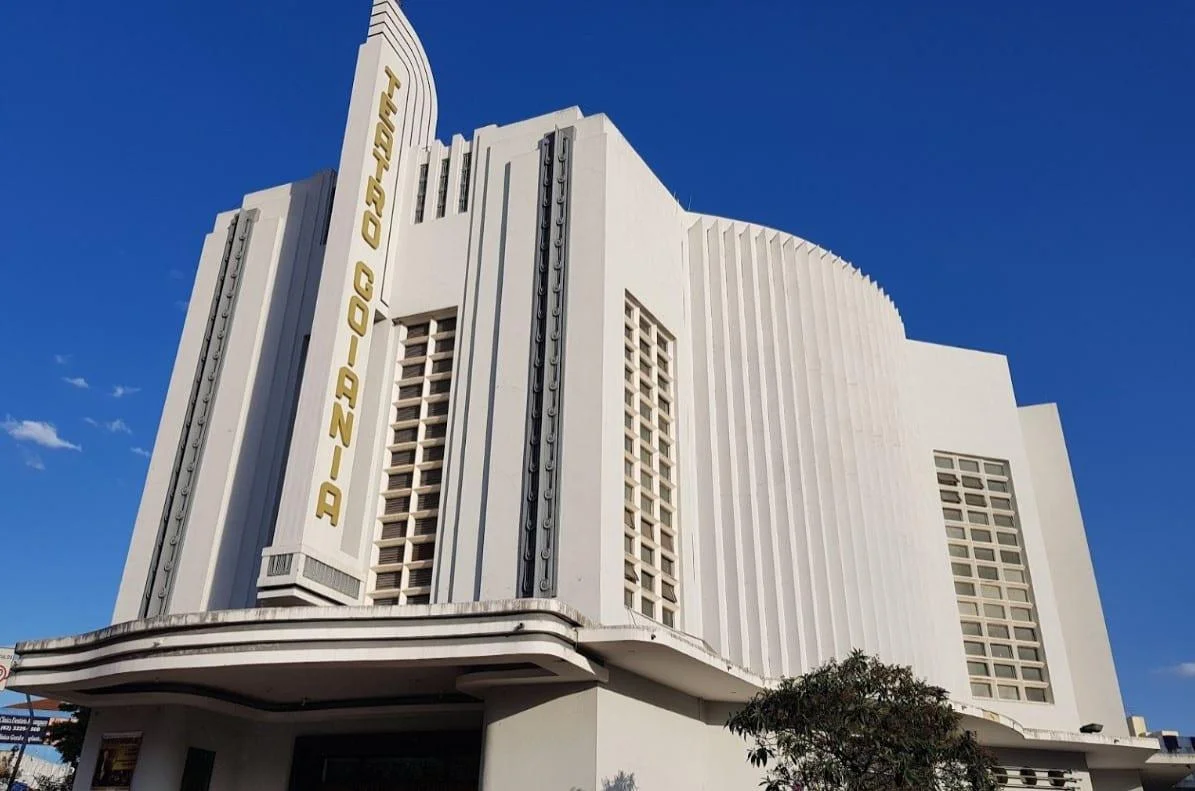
x,y
66,736
861,725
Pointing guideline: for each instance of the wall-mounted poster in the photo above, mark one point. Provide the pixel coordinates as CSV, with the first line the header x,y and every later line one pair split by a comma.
x,y
116,762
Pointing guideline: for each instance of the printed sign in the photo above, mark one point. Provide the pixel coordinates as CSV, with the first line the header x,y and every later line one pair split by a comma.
x,y
18,729
7,655
116,762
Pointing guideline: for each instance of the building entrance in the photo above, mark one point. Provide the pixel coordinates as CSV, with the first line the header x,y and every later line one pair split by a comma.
x,y
405,761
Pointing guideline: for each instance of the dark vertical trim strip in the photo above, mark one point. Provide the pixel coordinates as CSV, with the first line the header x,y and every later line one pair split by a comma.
x,y
545,390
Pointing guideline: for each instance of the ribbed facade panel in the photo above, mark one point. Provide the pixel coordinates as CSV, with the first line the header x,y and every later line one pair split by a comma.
x,y
812,533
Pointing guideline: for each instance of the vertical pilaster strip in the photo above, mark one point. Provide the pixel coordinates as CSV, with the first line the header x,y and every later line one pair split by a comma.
x,y
539,524
177,506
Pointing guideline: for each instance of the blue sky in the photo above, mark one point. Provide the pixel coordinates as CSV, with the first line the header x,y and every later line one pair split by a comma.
x,y
1018,176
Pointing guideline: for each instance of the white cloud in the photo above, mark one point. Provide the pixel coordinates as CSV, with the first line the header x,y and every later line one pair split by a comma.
x,y
76,381
33,460
37,432
62,359
1184,669
119,391
182,304
117,426
141,452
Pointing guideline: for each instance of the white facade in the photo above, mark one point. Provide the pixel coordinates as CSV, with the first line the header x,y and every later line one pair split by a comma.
x,y
494,439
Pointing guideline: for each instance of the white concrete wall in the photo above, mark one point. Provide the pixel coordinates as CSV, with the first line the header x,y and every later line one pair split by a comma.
x,y
965,404
667,740
541,738
806,506
237,479
1093,672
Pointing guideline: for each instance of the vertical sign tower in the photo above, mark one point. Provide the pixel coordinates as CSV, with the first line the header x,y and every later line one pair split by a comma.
x,y
312,558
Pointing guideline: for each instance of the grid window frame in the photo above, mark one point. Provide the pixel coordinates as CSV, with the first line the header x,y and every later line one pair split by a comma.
x,y
993,586
650,532
407,536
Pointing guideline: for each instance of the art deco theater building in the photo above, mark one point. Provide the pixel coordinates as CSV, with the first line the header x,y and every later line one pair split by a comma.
x,y
485,464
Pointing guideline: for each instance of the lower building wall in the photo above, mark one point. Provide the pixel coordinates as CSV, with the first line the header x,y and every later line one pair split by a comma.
x,y
665,739
1115,780
629,734
540,737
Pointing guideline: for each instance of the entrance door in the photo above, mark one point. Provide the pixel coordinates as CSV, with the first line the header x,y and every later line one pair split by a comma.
x,y
410,761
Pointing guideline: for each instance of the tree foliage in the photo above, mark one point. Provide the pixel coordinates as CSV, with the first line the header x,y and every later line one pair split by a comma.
x,y
861,725
66,736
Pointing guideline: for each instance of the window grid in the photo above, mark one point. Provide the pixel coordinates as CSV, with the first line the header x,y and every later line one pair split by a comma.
x,y
998,616
405,547
651,557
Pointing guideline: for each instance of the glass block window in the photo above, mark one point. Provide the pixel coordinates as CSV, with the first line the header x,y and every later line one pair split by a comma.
x,y
405,547
1001,636
651,562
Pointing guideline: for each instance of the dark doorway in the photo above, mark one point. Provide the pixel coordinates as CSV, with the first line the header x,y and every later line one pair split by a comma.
x,y
413,761
197,771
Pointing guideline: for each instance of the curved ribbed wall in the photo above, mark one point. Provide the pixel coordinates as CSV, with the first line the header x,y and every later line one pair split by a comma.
x,y
812,531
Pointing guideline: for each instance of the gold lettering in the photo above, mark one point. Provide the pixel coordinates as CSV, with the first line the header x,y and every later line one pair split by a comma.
x,y
371,229
394,82
348,383
346,386
363,281
383,141
387,109
342,425
328,503
375,196
358,316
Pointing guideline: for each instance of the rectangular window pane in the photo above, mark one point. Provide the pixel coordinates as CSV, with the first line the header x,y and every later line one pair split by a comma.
x,y
463,200
421,193
442,191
